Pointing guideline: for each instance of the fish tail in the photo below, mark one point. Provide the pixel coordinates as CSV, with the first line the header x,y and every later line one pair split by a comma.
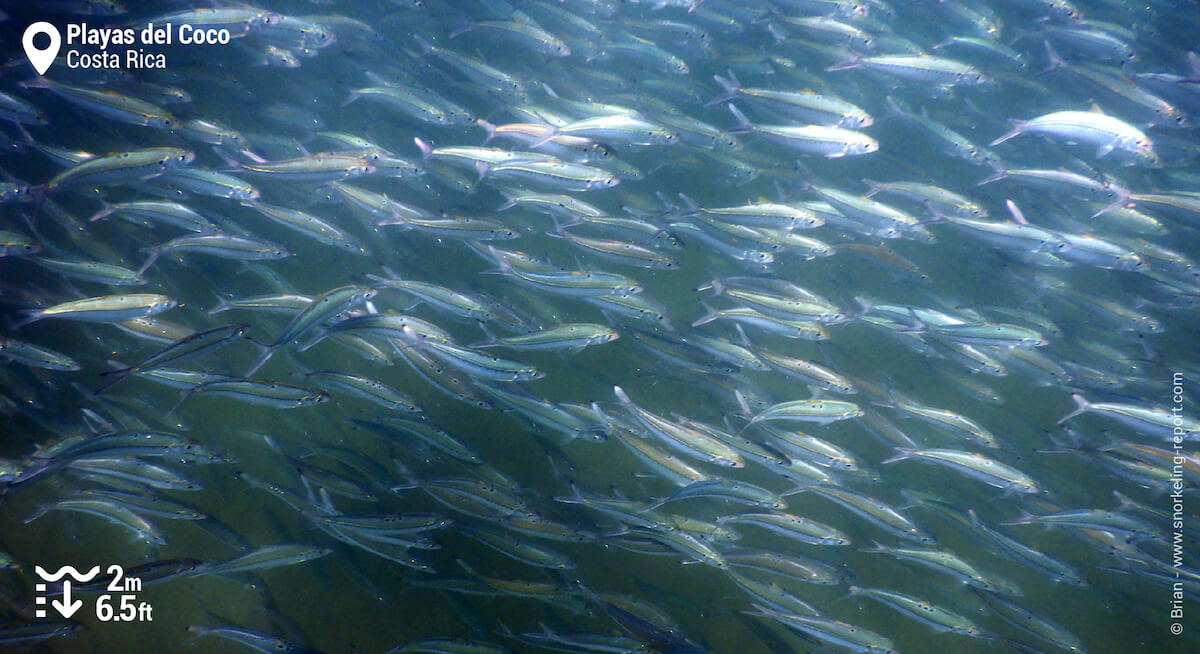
x,y
744,124
154,253
1081,406
426,149
1017,130
261,360
30,316
622,397
1194,78
1056,62
730,86
997,176
547,136
487,127
691,207
186,395
1026,518
853,62
463,26
105,210
1017,216
901,454
708,317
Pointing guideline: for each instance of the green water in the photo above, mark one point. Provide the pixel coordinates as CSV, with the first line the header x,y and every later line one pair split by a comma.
x,y
352,600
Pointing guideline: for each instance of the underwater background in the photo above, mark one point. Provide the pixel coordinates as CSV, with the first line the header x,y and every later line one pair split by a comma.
x,y
602,326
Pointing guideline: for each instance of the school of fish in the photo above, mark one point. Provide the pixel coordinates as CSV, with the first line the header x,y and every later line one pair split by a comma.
x,y
611,326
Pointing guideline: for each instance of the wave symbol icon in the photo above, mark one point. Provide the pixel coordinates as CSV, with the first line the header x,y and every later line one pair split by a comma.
x,y
78,576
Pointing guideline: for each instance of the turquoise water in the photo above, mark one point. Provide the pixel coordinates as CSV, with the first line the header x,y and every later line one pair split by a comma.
x,y
1116,330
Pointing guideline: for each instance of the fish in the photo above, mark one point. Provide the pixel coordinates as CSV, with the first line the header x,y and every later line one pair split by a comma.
x,y
121,167
1105,132
973,465
513,313
106,309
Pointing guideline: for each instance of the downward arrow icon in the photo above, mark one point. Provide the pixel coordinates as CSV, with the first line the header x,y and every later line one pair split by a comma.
x,y
66,607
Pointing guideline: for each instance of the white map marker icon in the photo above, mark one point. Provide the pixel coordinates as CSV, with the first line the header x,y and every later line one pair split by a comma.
x,y
41,58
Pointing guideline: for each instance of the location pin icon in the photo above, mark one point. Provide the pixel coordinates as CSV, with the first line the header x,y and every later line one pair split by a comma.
x,y
41,59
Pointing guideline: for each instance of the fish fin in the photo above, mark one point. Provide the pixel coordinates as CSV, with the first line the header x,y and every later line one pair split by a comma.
x,y
853,62
185,396
902,453
743,403
426,46
999,175
865,304
425,148
800,487
463,26
550,132
223,304
487,127
1103,150
873,187
730,86
1081,406
106,210
261,360
510,202
1019,127
491,341
1017,216
354,95
708,317
622,397
918,327
154,253
1194,77
691,206
745,340
30,316
744,124
776,33
1026,518
895,109
1056,62
974,518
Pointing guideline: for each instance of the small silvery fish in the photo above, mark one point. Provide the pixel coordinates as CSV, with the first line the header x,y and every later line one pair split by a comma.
x,y
106,309
132,166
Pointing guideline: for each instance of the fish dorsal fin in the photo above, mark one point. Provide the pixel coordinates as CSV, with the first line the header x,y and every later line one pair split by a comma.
x,y
1095,108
